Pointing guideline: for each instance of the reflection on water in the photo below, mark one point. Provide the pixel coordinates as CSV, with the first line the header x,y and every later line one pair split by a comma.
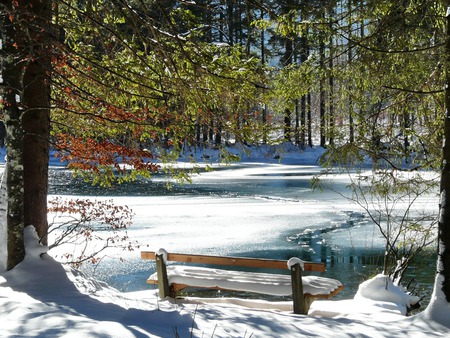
x,y
289,219
62,182
280,185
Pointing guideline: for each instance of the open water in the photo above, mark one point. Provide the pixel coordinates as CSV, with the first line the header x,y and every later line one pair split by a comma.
x,y
254,210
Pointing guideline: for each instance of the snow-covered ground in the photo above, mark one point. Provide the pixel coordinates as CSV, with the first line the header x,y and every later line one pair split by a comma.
x,y
42,298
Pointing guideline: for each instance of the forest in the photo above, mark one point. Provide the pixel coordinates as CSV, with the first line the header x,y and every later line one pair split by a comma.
x,y
120,84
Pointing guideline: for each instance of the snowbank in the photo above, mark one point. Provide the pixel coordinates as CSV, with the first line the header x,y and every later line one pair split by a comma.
x,y
41,298
376,297
381,288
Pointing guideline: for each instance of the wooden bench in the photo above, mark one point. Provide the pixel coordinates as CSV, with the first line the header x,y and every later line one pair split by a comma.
x,y
171,279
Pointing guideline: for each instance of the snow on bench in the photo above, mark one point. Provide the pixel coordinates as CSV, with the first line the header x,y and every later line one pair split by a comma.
x,y
258,282
174,278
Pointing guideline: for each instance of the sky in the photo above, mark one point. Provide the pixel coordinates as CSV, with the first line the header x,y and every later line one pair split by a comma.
x,y
43,298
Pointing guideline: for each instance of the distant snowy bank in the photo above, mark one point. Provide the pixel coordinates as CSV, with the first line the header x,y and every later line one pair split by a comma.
x,y
285,153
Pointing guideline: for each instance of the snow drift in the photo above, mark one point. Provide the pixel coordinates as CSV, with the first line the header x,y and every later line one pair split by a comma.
x,y
42,298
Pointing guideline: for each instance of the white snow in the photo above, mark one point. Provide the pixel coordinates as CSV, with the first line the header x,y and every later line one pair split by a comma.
x,y
440,309
376,296
164,254
41,298
295,260
265,283
381,288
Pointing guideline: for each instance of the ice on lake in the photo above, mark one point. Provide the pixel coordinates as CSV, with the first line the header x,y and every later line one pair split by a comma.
x,y
255,210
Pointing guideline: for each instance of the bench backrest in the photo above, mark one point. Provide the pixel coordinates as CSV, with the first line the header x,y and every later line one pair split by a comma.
x,y
233,261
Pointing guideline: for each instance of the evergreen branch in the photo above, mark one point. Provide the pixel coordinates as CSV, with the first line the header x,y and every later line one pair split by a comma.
x,y
424,92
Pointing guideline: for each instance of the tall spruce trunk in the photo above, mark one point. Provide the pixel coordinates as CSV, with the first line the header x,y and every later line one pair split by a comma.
x,y
304,54
351,122
444,216
322,95
12,74
36,125
36,122
331,114
286,60
26,55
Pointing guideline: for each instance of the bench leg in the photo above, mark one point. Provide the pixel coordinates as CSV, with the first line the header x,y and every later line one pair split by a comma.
x,y
297,290
163,280
308,302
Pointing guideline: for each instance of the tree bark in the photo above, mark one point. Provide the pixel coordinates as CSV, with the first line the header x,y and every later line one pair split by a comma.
x,y
26,56
322,94
36,121
308,113
263,62
350,59
297,124
286,60
322,107
230,22
12,74
36,124
287,125
331,102
443,267
304,54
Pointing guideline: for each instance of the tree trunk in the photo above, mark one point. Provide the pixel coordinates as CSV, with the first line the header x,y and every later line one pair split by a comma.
x,y
197,133
331,103
331,116
36,124
36,120
287,125
286,60
249,28
322,98
263,62
230,21
211,131
12,72
406,126
218,135
443,267
322,91
349,89
26,57
303,121
439,307
297,124
304,53
308,113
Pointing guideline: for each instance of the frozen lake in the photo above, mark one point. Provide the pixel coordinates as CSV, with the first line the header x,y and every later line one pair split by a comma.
x,y
250,209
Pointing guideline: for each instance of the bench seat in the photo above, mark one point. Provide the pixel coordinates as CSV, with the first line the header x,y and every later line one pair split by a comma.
x,y
172,278
258,282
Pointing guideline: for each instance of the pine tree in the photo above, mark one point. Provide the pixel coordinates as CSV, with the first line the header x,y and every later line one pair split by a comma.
x,y
26,54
